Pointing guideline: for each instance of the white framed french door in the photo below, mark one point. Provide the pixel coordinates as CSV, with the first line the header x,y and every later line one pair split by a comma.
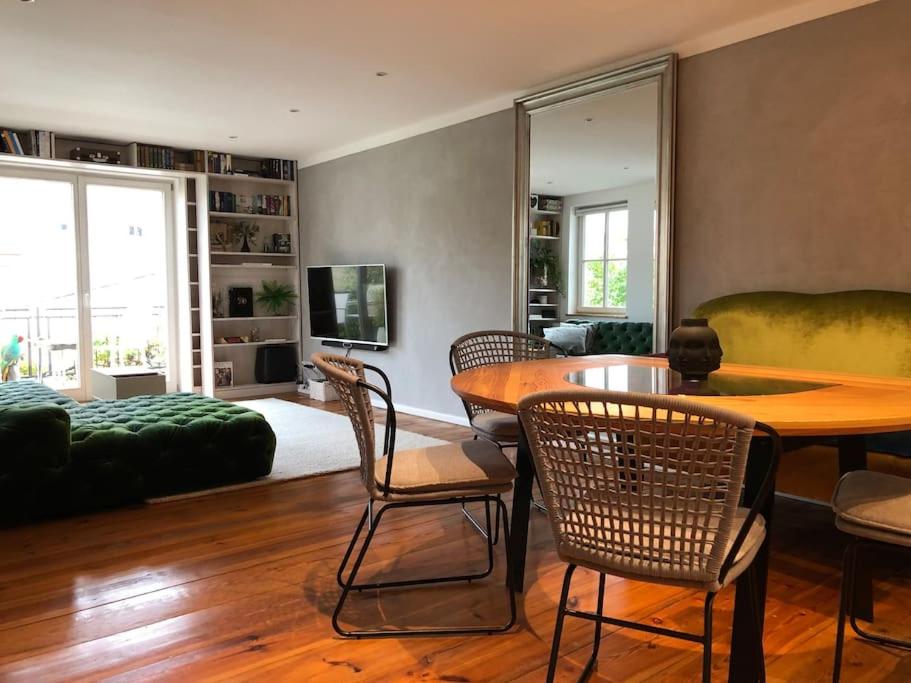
x,y
129,296
87,276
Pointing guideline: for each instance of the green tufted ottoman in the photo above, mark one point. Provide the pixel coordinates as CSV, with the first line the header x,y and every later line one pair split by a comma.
x,y
60,457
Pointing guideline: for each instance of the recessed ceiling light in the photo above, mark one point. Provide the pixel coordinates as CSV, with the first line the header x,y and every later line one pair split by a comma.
x,y
232,137
589,119
28,1
382,73
294,111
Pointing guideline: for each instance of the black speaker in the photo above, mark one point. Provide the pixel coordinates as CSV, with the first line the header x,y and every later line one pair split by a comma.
x,y
276,363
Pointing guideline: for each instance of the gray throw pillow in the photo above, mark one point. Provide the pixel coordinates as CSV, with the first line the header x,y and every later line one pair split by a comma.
x,y
570,338
589,333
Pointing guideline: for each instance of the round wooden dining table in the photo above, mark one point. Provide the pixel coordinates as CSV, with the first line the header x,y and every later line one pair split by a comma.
x,y
801,405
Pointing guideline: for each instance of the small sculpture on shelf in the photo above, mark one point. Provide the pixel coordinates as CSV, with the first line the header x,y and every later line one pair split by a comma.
x,y
245,235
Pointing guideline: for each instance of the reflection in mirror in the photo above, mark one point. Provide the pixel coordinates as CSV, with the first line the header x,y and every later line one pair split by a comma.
x,y
596,220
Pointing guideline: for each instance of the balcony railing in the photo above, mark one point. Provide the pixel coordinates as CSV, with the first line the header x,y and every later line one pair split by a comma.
x,y
51,335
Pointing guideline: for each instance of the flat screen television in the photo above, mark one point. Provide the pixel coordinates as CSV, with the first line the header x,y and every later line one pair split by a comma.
x,y
348,304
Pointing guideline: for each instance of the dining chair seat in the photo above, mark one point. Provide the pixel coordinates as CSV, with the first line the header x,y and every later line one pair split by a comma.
x,y
874,505
671,542
496,426
470,468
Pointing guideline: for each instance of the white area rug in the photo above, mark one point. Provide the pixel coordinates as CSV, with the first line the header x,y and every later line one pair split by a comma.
x,y
310,441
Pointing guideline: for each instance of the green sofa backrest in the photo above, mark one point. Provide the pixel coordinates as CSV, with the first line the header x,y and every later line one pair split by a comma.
x,y
634,339
865,331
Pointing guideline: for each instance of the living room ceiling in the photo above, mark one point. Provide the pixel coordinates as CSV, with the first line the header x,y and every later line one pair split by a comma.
x,y
224,74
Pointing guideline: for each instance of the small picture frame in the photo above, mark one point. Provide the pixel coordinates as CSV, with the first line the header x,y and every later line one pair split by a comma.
x,y
240,302
220,237
224,373
281,242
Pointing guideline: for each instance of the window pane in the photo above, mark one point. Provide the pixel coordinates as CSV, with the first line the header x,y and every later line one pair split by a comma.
x,y
616,284
128,273
593,290
38,281
618,228
593,236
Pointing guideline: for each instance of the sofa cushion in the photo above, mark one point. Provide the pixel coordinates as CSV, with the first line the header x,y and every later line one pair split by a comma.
x,y
633,339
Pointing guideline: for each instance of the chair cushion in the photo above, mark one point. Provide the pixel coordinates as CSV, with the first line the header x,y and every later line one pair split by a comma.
x,y
468,465
874,505
497,426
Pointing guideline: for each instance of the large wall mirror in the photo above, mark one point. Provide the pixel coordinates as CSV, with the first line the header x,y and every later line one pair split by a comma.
x,y
594,201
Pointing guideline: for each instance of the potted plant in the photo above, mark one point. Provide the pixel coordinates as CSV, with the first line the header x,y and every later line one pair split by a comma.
x,y
544,264
276,297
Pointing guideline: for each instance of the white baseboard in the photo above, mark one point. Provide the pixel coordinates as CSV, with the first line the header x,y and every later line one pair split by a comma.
x,y
421,412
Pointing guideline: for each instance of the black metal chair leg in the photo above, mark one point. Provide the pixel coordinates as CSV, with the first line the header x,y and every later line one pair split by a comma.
x,y
847,592
357,565
341,568
558,627
707,639
857,571
349,584
501,506
479,528
592,663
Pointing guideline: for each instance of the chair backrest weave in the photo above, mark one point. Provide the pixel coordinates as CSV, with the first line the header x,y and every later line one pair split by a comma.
x,y
491,347
344,374
639,483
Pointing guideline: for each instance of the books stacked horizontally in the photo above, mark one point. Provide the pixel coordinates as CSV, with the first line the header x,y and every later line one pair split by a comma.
x,y
31,143
256,204
151,156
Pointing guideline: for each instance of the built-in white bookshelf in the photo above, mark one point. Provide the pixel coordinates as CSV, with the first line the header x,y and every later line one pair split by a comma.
x,y
544,233
202,270
229,266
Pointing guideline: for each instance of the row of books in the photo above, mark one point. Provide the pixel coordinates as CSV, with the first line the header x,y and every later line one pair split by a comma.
x,y
218,162
256,204
151,156
33,143
281,169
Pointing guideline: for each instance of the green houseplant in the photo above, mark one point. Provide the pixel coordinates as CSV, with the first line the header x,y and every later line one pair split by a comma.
x,y
276,297
544,264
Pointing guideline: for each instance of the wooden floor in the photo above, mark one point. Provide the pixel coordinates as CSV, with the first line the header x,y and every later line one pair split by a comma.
x,y
240,586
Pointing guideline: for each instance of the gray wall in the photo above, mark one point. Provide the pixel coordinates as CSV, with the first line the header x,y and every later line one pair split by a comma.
x,y
794,159
437,210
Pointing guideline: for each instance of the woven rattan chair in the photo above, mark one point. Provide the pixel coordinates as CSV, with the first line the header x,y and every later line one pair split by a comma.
x,y
482,349
471,471
647,488
875,509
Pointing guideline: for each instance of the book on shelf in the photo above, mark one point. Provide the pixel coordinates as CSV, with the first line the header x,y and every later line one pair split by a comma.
x,y
32,143
254,205
150,156
220,162
281,169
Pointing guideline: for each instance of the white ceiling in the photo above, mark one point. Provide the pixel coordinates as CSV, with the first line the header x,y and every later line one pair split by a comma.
x,y
193,73
618,146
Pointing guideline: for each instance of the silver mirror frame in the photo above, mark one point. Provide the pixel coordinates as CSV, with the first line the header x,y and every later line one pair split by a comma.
x,y
661,70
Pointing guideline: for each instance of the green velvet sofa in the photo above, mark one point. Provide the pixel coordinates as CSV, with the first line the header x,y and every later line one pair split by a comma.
x,y
633,339
864,331
59,457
